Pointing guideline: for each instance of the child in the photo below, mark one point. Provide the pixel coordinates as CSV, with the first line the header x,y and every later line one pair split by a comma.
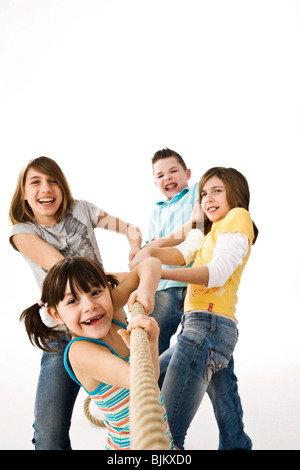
x,y
48,225
209,333
77,293
171,176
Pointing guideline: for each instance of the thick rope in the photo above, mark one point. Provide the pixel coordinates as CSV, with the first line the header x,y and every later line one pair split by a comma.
x,y
146,420
90,417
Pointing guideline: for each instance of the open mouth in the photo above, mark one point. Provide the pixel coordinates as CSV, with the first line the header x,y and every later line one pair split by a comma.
x,y
212,209
92,321
171,186
45,201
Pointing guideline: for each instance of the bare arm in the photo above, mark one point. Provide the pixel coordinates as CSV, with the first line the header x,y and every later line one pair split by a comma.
x,y
198,275
139,285
133,234
167,255
37,250
93,363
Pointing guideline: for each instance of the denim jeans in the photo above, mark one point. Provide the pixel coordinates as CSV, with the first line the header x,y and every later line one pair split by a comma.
x,y
167,312
55,398
200,362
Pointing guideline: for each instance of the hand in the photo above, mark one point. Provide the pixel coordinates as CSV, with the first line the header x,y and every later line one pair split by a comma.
x,y
141,255
143,298
149,324
132,253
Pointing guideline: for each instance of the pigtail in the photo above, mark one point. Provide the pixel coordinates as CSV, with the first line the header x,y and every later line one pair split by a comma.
x,y
39,334
112,280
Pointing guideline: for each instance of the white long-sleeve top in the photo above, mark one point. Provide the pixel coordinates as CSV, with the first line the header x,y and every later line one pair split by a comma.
x,y
229,252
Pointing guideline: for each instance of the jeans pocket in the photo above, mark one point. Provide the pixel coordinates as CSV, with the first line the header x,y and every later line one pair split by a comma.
x,y
216,360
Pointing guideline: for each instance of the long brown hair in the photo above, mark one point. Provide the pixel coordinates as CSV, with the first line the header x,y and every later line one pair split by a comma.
x,y
82,273
20,211
237,191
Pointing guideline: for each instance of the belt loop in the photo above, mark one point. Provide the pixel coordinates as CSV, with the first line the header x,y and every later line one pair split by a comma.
x,y
213,323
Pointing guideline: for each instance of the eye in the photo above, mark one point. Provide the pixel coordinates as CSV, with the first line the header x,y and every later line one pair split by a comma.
x,y
97,292
71,301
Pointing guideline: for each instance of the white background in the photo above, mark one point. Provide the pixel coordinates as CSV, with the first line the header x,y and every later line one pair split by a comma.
x,y
99,86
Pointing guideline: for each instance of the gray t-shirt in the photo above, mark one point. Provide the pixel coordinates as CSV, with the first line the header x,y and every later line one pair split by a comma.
x,y
73,236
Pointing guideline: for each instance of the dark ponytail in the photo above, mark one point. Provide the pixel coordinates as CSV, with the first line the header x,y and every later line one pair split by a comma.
x,y
39,334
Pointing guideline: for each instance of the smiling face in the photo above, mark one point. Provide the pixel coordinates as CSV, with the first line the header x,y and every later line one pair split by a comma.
x,y
43,195
87,314
170,177
214,199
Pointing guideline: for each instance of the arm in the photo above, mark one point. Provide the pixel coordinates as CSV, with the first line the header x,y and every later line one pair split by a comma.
x,y
139,285
229,252
37,250
198,275
180,255
133,234
93,363
167,255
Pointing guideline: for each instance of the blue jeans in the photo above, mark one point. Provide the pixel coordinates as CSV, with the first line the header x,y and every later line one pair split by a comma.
x,y
200,362
168,310
55,398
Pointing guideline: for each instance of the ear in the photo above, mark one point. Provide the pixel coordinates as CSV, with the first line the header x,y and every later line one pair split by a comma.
x,y
188,174
53,314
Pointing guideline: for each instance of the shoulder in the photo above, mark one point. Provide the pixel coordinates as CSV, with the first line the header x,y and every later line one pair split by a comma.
x,y
195,189
26,228
237,213
84,209
238,220
82,349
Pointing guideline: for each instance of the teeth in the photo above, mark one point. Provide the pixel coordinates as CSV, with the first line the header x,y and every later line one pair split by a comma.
x,y
46,199
171,186
87,322
211,209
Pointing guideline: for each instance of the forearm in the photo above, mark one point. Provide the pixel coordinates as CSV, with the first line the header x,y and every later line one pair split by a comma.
x,y
37,250
198,275
109,222
149,273
168,255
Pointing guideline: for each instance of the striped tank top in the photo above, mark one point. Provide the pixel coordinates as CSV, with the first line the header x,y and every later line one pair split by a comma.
x,y
114,404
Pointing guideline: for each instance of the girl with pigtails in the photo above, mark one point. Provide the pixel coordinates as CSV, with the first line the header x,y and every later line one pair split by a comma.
x,y
76,293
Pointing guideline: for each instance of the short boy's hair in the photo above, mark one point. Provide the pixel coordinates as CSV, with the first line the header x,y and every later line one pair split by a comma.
x,y
167,153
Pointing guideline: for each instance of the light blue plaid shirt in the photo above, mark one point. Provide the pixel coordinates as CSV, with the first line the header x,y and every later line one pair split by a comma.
x,y
170,215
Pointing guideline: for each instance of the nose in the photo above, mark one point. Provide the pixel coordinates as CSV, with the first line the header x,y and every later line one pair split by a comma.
x,y
209,196
45,186
87,304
